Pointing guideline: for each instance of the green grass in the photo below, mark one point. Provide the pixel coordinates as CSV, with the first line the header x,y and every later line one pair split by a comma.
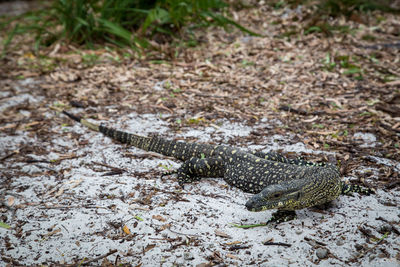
x,y
90,59
247,226
120,22
4,225
348,7
349,65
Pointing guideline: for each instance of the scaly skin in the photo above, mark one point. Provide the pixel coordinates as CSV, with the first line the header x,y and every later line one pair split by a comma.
x,y
277,182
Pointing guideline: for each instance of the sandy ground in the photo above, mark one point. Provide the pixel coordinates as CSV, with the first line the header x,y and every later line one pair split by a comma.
x,y
74,197
92,196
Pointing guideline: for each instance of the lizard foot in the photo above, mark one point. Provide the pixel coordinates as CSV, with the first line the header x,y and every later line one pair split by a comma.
x,y
281,216
184,178
168,173
278,217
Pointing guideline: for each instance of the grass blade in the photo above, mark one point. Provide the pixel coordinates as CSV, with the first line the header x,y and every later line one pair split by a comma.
x,y
8,40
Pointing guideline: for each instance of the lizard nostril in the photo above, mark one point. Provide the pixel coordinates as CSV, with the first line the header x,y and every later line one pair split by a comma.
x,y
249,204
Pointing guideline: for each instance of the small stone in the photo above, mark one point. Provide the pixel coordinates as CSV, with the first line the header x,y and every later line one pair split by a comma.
x,y
188,256
322,253
385,228
355,254
358,247
299,231
179,264
340,242
372,257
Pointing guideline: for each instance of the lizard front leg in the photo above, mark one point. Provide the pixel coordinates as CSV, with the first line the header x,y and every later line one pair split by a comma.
x,y
196,168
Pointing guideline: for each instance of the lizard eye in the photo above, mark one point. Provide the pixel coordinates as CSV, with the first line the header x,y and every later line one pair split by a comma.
x,y
276,195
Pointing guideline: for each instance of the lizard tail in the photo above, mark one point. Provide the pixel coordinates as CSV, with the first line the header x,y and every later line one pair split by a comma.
x,y
75,118
138,141
348,189
92,126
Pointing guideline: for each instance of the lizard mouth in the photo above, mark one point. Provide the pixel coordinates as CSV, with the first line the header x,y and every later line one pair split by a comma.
x,y
256,204
287,195
251,206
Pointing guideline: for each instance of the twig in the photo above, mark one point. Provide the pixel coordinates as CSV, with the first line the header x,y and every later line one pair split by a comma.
x,y
8,156
107,166
236,247
160,106
277,244
175,232
366,232
217,96
114,170
45,167
37,161
380,46
71,207
100,257
300,111
392,184
394,229
316,241
373,247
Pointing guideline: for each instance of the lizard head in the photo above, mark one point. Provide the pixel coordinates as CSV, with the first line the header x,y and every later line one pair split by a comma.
x,y
295,194
283,196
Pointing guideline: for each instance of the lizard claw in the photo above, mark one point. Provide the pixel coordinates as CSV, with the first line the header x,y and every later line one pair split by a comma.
x,y
184,178
168,173
281,216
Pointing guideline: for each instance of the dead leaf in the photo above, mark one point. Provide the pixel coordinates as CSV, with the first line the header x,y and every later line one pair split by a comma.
x,y
322,132
165,226
312,119
126,230
139,207
232,256
10,201
33,123
76,183
221,234
8,126
233,243
59,193
216,256
149,247
66,156
53,232
29,55
393,83
271,239
159,218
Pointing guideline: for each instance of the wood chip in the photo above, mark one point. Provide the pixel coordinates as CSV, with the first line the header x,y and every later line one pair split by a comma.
x,y
159,218
221,234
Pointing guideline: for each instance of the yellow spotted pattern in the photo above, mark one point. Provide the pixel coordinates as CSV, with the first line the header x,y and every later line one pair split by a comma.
x,y
247,170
